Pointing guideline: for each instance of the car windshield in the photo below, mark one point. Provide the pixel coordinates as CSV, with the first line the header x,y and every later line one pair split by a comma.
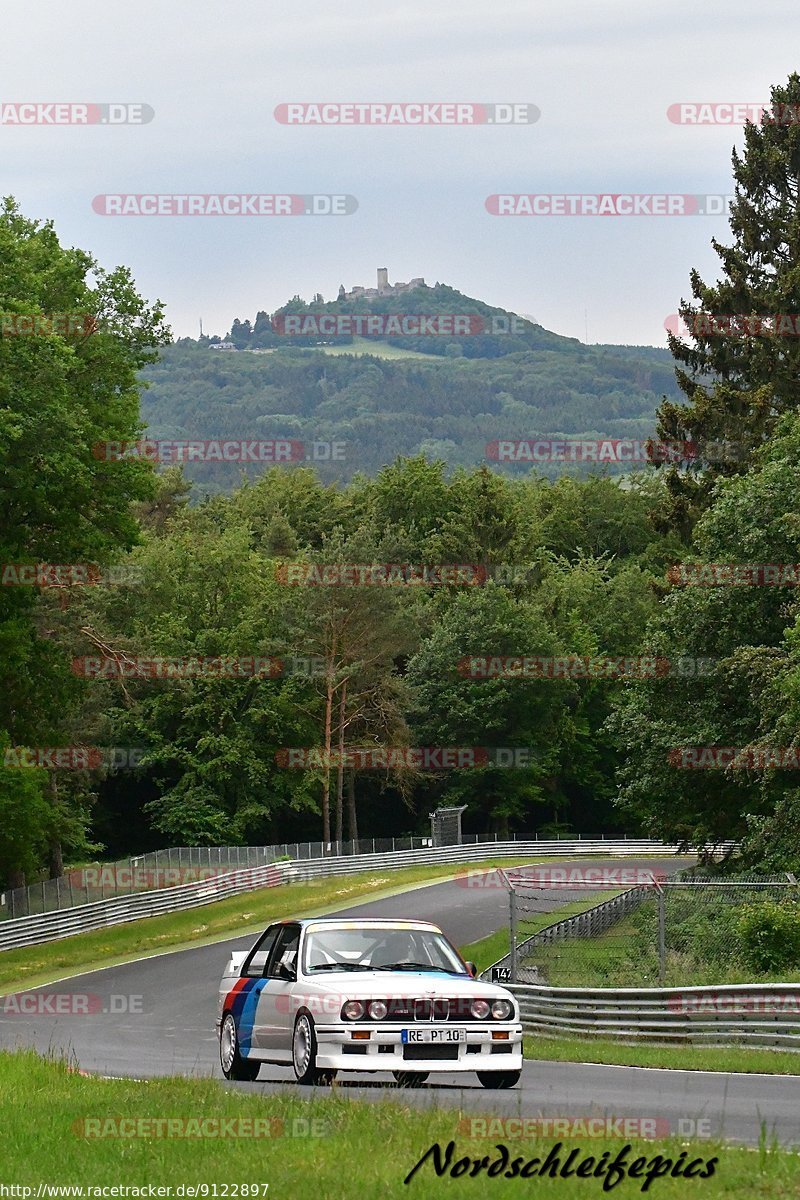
x,y
379,948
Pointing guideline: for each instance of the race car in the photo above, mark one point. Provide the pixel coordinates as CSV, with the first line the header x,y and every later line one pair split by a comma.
x,y
328,995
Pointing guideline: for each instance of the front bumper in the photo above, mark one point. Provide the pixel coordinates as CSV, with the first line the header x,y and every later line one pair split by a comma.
x,y
337,1050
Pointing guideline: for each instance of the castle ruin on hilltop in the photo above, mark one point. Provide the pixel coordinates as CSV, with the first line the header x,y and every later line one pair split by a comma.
x,y
384,288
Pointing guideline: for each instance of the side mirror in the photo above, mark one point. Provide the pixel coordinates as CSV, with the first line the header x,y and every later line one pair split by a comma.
x,y
286,972
473,970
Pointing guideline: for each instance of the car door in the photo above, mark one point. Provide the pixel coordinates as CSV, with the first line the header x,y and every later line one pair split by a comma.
x,y
244,998
276,1012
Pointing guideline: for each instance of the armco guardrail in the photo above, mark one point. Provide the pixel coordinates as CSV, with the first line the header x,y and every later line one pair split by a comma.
x,y
30,931
172,866
745,1013
176,865
27,931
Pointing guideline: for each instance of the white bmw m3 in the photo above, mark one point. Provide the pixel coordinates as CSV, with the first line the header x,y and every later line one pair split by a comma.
x,y
328,995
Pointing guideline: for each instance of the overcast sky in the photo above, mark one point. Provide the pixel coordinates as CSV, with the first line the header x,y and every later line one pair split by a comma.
x,y
602,73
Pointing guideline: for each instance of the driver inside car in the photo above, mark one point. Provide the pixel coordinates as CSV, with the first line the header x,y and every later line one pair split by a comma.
x,y
397,948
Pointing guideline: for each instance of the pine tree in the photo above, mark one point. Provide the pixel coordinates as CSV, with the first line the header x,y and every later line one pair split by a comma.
x,y
738,372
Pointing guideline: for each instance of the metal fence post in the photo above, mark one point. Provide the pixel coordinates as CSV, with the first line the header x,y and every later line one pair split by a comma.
x,y
662,935
512,909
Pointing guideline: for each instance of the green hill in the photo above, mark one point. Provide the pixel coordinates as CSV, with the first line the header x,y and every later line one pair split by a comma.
x,y
447,397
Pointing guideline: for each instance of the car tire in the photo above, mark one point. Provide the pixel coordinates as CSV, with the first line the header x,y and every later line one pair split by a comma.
x,y
499,1079
230,1057
304,1054
411,1079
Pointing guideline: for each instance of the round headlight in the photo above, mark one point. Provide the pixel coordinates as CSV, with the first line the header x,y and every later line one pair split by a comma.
x,y
480,1009
377,1009
353,1009
502,1010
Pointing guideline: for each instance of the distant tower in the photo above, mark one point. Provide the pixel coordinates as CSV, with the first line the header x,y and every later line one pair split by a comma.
x,y
341,291
383,279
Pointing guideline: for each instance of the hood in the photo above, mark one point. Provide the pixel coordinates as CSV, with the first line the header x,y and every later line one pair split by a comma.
x,y
378,985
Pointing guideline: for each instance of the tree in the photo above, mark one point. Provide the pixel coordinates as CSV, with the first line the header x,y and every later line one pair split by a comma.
x,y
211,741
450,709
24,817
738,379
740,691
72,341
357,632
172,492
62,398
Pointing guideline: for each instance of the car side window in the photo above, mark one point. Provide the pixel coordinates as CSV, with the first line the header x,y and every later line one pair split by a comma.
x,y
255,964
284,950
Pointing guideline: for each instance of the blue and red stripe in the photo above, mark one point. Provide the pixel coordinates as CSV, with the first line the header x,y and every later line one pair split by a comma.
x,y
242,1002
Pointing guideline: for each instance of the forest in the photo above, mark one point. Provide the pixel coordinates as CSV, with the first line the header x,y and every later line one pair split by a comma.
x,y
377,408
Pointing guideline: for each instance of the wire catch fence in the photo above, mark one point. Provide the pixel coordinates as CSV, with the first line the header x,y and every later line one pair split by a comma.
x,y
632,928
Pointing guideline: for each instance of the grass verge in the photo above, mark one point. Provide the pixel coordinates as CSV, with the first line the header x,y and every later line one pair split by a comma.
x,y
250,912
750,1060
94,1133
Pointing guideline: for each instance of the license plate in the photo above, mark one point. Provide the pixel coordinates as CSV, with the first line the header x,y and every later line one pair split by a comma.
x,y
410,1037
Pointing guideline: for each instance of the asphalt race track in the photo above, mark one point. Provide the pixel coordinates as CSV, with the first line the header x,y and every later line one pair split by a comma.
x,y
156,1017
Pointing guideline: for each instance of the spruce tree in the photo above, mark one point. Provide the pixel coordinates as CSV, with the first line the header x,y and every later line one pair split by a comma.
x,y
740,367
